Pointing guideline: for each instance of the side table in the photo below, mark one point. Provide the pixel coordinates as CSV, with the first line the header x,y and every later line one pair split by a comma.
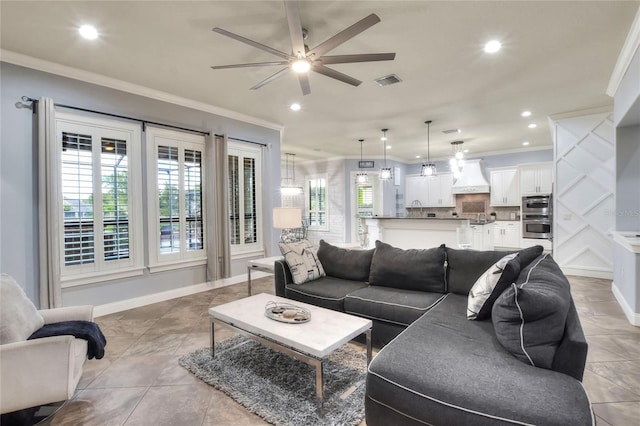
x,y
264,264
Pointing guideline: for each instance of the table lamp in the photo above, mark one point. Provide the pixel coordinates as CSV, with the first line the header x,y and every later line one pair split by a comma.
x,y
287,219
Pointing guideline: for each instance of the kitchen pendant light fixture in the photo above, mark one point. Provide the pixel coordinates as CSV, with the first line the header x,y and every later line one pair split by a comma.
x,y
457,161
288,183
428,168
361,176
385,172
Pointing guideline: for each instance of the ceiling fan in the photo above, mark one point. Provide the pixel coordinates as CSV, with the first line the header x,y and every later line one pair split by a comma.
x,y
302,59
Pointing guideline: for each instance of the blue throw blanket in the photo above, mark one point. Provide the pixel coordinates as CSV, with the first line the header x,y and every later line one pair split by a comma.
x,y
86,330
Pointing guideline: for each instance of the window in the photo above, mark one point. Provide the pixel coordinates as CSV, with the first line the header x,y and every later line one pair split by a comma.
x,y
317,202
175,198
245,216
100,213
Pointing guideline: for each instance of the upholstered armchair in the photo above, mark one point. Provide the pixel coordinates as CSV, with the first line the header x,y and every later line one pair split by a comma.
x,y
39,371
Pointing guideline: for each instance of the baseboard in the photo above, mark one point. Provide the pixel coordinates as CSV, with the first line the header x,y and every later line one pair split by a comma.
x,y
136,302
592,273
632,317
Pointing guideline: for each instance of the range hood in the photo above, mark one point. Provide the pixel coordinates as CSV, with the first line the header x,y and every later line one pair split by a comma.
x,y
472,181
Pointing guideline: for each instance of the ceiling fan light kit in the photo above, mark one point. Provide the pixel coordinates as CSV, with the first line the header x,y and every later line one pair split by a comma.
x,y
303,60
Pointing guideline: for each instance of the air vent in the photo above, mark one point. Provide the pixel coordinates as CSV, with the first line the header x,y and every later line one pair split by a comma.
x,y
388,80
446,132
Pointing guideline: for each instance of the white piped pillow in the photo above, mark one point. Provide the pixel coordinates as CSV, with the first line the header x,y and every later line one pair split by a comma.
x,y
490,285
19,318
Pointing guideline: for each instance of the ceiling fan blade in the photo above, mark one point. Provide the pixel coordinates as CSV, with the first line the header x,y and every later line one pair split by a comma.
x,y
365,57
280,73
321,69
344,35
295,27
252,43
304,83
254,64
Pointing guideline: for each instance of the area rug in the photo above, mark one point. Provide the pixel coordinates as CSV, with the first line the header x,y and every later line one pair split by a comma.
x,y
281,389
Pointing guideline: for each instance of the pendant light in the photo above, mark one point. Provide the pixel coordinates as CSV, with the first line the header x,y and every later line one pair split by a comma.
x,y
287,184
361,177
385,172
428,168
457,161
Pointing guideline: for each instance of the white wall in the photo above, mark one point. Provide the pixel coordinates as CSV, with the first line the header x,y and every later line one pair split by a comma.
x,y
584,194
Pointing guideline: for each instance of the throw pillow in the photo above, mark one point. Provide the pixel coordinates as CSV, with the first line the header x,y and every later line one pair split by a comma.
x,y
465,266
344,263
19,318
490,285
529,317
412,269
302,260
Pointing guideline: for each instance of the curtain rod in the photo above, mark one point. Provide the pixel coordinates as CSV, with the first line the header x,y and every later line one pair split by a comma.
x,y
242,140
144,122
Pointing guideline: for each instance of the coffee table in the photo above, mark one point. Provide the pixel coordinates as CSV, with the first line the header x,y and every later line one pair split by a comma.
x,y
310,342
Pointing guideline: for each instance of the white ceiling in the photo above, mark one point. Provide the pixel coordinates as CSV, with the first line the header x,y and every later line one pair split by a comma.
x,y
556,57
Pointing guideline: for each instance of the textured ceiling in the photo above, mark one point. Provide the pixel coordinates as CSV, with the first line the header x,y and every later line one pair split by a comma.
x,y
556,57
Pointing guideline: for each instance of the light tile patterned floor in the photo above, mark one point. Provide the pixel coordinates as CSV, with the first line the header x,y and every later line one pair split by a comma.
x,y
139,382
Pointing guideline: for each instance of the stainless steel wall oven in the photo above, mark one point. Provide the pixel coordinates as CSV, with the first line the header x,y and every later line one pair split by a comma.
x,y
537,217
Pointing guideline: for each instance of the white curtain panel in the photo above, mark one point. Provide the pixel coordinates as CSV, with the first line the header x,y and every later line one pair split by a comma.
x,y
50,288
218,245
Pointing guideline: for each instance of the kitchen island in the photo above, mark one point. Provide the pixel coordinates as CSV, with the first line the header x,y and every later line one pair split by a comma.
x,y
424,232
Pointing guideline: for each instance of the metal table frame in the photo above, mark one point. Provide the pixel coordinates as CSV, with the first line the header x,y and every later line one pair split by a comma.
x,y
314,361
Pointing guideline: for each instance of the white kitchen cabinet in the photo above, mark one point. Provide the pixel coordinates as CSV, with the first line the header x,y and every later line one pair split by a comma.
x,y
536,179
507,234
416,191
430,191
482,237
505,187
440,194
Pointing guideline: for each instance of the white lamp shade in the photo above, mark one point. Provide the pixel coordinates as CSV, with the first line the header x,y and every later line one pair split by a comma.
x,y
287,217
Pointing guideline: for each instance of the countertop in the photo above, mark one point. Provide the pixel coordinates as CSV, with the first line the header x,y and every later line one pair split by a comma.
x,y
471,222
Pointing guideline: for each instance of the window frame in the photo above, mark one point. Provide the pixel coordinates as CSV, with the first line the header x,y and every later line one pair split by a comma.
x,y
156,136
242,151
308,180
100,269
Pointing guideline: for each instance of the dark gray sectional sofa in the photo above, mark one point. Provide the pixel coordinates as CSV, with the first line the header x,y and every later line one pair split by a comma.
x,y
523,365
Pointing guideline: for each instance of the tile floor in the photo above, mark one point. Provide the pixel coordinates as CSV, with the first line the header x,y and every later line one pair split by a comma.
x,y
139,381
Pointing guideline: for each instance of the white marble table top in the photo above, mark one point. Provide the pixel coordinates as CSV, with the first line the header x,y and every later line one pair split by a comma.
x,y
325,332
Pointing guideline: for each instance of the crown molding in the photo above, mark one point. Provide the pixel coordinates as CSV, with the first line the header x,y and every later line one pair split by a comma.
x,y
629,49
112,83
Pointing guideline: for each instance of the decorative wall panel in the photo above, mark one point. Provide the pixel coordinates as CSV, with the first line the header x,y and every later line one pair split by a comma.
x,y
584,197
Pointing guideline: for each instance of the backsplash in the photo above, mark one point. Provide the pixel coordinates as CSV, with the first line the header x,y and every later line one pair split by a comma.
x,y
468,206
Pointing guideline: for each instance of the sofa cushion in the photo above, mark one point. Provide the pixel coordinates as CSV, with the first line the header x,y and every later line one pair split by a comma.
x,y
529,317
490,285
343,263
302,260
392,305
19,318
413,269
446,370
464,267
326,292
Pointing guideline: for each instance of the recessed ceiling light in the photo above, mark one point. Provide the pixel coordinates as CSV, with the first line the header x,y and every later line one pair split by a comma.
x,y
526,113
388,146
295,106
417,156
532,126
88,31
465,151
525,143
493,46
